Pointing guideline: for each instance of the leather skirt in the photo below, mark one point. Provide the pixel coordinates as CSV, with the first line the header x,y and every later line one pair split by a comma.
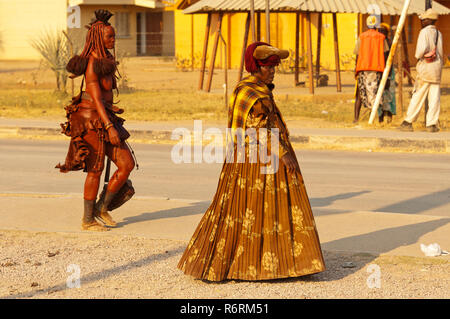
x,y
85,152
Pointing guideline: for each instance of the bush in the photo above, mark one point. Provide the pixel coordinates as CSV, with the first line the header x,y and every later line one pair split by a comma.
x,y
54,48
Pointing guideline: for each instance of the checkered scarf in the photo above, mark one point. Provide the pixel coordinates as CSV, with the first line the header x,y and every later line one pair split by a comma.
x,y
244,96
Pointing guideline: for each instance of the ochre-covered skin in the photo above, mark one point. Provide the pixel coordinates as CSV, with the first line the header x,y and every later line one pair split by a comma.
x,y
93,124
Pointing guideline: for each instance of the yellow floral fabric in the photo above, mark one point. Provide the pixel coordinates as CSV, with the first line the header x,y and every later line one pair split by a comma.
x,y
265,114
258,226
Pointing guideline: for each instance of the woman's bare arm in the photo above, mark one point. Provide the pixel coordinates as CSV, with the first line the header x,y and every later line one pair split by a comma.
x,y
93,88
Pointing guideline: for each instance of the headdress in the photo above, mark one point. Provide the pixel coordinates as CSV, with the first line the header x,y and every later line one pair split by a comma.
x,y
262,54
106,63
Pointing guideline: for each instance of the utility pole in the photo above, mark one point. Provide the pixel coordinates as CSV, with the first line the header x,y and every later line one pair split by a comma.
x,y
387,68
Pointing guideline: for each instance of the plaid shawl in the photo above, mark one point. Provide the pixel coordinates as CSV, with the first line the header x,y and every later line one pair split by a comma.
x,y
245,95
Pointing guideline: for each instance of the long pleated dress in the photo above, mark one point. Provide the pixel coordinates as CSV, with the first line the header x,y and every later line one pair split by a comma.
x,y
258,226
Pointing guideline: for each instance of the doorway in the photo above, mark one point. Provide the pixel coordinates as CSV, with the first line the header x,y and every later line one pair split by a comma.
x,y
149,38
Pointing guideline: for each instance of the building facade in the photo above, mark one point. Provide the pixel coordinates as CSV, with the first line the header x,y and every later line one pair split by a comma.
x,y
160,28
190,33
143,27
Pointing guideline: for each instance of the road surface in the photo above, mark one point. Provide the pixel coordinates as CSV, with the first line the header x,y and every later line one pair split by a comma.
x,y
336,181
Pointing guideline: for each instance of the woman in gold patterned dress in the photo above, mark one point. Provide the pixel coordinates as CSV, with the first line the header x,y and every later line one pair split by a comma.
x,y
259,225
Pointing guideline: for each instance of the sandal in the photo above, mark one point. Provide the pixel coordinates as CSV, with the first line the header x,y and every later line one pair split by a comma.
x,y
93,226
105,218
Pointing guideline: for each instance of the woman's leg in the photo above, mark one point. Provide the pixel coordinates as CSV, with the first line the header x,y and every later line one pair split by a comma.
x,y
122,158
91,185
92,182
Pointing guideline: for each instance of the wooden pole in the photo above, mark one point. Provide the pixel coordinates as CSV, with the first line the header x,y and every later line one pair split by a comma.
x,y
406,55
297,46
310,61
400,81
268,21
319,37
205,50
226,72
252,19
214,53
387,68
244,47
192,42
391,22
225,85
258,26
336,54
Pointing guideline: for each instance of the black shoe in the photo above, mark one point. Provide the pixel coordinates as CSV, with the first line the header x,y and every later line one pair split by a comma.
x,y
407,127
432,129
388,115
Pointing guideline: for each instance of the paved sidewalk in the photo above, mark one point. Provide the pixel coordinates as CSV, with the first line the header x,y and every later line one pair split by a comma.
x,y
176,219
319,138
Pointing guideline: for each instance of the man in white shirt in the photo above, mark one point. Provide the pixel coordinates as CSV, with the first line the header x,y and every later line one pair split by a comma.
x,y
429,52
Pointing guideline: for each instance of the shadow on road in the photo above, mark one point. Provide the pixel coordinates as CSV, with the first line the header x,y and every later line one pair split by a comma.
x,y
387,239
419,204
326,201
390,239
194,209
201,207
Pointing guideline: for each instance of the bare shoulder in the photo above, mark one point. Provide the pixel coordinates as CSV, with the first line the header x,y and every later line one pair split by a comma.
x,y
90,73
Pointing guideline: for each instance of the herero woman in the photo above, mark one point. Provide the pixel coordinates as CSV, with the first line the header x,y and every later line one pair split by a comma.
x,y
259,226
94,127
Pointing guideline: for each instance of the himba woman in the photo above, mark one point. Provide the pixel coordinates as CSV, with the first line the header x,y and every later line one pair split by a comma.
x,y
259,226
93,125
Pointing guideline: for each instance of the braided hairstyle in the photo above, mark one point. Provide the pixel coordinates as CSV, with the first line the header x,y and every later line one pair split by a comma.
x,y
105,63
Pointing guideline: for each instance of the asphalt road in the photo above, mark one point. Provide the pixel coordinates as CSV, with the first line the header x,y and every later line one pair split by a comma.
x,y
336,181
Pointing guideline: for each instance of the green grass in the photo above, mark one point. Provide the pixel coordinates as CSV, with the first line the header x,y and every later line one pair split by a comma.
x,y
161,105
139,105
167,105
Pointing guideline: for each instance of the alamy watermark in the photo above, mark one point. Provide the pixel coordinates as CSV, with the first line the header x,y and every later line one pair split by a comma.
x,y
374,280
250,146
73,17
73,281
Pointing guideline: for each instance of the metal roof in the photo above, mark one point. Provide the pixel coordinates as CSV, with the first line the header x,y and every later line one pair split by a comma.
x,y
387,7
230,5
152,4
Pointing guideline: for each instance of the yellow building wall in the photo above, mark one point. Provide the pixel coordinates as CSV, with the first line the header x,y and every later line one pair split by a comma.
x,y
282,35
23,20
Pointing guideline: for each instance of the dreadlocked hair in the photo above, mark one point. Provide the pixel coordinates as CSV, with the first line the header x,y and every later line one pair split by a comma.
x,y
106,63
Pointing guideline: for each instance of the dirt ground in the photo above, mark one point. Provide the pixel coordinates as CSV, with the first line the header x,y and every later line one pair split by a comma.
x,y
152,73
46,265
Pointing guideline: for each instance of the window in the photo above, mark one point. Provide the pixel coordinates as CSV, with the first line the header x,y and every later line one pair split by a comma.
x,y
122,24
